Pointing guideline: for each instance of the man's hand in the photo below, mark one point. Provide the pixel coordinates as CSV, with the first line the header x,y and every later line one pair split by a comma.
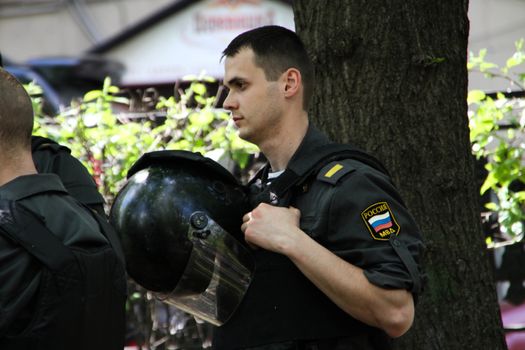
x,y
272,228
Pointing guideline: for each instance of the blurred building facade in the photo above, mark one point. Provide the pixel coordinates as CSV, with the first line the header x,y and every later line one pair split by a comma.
x,y
160,40
42,28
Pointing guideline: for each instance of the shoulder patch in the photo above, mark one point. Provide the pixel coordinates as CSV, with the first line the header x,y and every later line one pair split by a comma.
x,y
380,221
334,171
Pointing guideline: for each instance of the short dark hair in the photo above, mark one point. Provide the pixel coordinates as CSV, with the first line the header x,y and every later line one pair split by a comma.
x,y
276,49
16,113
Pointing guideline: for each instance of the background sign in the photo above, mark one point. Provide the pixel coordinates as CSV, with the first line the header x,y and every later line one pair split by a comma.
x,y
192,40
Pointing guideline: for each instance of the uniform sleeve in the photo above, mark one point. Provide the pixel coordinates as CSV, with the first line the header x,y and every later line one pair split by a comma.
x,y
372,229
19,279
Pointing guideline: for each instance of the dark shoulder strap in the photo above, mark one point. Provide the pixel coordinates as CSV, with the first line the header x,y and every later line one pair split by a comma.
x,y
301,168
109,232
27,229
324,154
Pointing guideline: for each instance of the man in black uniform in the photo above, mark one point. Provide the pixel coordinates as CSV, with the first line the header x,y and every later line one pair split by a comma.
x,y
337,252
63,283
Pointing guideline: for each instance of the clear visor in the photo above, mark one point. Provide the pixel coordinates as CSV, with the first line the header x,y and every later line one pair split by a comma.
x,y
217,275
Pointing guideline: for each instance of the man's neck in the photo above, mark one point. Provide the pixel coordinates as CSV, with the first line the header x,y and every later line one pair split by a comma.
x,y
14,166
280,149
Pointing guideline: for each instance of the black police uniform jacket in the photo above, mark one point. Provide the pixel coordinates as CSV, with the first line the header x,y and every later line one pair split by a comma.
x,y
354,211
63,278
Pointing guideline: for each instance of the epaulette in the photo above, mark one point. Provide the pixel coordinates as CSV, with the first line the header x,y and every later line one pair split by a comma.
x,y
51,146
334,171
41,143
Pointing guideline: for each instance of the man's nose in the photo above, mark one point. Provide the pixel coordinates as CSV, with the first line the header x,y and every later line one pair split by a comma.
x,y
229,102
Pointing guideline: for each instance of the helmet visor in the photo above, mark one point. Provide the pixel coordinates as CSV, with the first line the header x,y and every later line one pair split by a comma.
x,y
217,275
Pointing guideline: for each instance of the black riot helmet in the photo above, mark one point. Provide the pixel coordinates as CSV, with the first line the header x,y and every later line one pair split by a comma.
x,y
179,218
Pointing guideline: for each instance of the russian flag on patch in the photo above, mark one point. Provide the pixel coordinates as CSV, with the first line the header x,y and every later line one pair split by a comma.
x,y
380,222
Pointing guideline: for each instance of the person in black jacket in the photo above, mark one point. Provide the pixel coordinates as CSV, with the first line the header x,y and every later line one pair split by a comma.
x,y
338,253
63,283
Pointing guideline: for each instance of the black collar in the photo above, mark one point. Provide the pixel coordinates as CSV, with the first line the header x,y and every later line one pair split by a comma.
x,y
28,185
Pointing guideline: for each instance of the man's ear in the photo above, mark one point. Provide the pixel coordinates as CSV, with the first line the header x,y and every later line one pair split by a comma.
x,y
292,82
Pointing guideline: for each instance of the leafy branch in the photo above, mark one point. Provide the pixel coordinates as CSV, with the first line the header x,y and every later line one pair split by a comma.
x,y
497,126
108,142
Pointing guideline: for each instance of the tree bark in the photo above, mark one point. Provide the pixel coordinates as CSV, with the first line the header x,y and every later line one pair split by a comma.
x,y
392,79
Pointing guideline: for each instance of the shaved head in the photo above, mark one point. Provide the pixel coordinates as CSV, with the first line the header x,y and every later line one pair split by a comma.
x,y
16,114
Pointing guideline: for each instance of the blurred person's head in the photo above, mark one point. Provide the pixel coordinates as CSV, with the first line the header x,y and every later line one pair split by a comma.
x,y
16,115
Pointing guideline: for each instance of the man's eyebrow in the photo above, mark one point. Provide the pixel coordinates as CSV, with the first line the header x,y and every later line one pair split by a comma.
x,y
234,80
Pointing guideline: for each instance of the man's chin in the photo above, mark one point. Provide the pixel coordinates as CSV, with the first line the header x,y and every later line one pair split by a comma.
x,y
245,135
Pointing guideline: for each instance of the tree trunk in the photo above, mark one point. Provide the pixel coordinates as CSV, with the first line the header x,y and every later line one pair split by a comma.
x,y
392,79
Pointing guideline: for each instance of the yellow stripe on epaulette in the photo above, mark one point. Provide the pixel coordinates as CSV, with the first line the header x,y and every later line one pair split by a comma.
x,y
332,172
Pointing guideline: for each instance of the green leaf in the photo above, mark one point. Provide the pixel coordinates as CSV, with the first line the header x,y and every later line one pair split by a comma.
x,y
200,100
475,96
201,119
92,95
198,88
517,58
487,65
491,206
490,181
113,89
